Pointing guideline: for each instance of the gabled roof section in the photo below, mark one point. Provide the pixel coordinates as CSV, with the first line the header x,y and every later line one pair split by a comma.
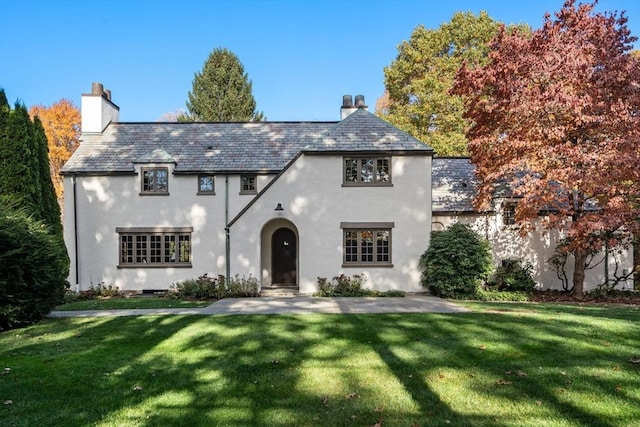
x,y
195,147
453,185
366,132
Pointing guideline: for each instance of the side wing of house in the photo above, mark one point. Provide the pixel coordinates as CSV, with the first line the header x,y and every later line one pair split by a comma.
x,y
453,193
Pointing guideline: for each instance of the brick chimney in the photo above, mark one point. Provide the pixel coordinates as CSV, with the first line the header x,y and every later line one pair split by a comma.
x,y
348,106
97,109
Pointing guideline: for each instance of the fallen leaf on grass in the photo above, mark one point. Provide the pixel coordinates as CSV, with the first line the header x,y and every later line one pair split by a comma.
x,y
6,371
275,361
8,402
376,409
618,387
635,361
522,374
351,396
483,347
503,382
538,402
325,399
137,388
378,424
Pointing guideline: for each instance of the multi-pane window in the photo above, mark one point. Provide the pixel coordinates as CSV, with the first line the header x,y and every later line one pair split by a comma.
x,y
367,170
205,184
248,184
509,213
367,245
155,180
152,247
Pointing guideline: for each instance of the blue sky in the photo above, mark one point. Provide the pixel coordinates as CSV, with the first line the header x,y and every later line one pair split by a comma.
x,y
301,55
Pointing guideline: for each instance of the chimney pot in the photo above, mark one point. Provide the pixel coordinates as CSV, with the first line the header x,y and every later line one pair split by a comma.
x,y
347,101
97,89
360,101
107,94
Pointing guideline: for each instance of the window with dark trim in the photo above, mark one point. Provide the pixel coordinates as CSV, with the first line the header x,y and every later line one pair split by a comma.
x,y
366,244
509,213
248,184
367,171
155,181
154,247
206,184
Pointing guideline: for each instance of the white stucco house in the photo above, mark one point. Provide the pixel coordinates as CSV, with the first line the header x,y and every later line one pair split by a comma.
x,y
149,204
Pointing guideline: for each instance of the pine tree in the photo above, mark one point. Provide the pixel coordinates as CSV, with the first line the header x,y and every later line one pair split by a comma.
x,y
49,203
222,91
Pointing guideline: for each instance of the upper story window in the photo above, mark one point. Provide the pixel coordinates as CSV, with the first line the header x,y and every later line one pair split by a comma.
x,y
509,213
206,184
367,171
155,181
248,184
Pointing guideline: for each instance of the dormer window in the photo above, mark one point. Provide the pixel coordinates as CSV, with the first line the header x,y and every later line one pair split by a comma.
x,y
509,213
155,181
371,170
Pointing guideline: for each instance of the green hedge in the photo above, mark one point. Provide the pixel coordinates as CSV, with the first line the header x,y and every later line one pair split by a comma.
x,y
33,269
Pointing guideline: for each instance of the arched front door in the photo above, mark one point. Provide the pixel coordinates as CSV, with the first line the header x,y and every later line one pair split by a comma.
x,y
284,265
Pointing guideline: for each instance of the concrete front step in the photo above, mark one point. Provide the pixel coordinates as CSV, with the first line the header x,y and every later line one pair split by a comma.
x,y
279,291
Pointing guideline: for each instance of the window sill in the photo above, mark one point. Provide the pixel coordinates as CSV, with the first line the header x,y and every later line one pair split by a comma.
x,y
367,265
205,193
158,193
366,184
175,265
248,193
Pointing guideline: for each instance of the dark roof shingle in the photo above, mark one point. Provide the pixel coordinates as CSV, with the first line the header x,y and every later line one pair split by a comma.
x,y
453,184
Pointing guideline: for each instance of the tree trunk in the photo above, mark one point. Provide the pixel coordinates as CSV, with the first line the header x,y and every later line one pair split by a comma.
x,y
578,273
636,263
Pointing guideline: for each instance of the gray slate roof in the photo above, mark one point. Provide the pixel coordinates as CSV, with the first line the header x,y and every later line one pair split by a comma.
x,y
195,147
232,147
453,184
366,132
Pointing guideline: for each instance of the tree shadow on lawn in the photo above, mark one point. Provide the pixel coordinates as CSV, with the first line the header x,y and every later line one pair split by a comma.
x,y
310,370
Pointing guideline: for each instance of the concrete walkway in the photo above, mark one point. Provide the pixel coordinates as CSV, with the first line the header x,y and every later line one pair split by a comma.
x,y
292,305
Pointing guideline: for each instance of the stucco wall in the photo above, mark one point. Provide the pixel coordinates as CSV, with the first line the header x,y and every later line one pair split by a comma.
x,y
536,248
106,202
315,202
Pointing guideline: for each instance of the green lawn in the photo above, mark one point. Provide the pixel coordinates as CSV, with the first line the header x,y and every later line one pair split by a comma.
x,y
502,365
130,303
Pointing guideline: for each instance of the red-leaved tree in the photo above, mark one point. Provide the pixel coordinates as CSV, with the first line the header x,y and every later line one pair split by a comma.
x,y
556,117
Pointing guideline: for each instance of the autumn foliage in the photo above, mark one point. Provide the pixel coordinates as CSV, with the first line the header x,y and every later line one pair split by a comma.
x,y
555,117
61,122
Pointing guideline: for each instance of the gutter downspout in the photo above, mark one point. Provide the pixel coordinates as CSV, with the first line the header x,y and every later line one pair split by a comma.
x,y
226,229
75,234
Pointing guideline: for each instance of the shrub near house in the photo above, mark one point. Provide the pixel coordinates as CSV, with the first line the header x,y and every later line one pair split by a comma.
x,y
457,262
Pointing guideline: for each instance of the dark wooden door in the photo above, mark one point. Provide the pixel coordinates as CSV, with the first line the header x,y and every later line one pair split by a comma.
x,y
284,257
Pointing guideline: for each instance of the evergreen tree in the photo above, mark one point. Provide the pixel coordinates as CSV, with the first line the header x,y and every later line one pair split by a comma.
x,y
49,202
222,91
17,177
24,165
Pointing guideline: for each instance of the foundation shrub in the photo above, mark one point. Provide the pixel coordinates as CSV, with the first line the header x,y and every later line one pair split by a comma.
x,y
513,275
457,263
350,286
